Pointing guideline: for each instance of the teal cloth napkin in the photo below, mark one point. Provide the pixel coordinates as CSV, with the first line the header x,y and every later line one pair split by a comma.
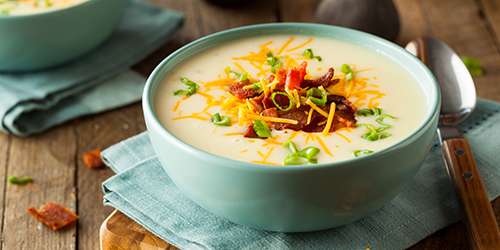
x,y
144,192
33,102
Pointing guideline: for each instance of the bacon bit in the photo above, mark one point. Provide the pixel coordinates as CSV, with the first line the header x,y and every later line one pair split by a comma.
x,y
238,90
295,76
325,80
53,215
92,159
250,133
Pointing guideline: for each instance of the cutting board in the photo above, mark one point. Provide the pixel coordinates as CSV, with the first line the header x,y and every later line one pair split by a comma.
x,y
118,232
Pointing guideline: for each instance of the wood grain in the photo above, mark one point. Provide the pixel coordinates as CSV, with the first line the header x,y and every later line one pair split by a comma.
x,y
49,159
4,159
99,132
481,222
120,232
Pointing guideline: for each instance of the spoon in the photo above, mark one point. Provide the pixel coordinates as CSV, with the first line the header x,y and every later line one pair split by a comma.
x,y
458,100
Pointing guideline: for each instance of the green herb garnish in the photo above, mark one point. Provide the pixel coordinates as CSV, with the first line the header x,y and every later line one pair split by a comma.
x,y
369,112
220,120
237,75
290,103
298,157
380,120
273,61
473,65
347,70
19,180
317,95
191,89
261,129
373,133
308,53
362,152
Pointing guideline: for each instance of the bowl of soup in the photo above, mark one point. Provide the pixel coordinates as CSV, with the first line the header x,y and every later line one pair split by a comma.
x,y
291,127
42,34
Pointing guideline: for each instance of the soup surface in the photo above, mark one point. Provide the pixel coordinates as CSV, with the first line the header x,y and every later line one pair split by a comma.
x,y
287,100
26,7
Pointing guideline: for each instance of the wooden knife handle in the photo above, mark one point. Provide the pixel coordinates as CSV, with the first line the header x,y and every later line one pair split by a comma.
x,y
481,222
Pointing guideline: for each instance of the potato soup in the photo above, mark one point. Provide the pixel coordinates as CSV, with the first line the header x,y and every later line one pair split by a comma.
x,y
290,100
27,7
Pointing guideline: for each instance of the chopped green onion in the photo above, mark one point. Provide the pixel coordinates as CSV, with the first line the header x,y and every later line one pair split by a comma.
x,y
298,157
313,94
191,89
473,65
290,103
261,129
374,133
369,112
362,152
347,70
237,75
380,120
220,120
273,61
308,53
21,180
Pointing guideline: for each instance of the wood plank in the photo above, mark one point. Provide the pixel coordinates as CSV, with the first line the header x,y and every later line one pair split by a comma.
x,y
491,10
101,132
468,35
289,10
120,232
4,159
109,128
49,159
214,18
413,22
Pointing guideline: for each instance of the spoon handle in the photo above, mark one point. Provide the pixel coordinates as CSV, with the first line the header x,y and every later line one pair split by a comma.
x,y
481,221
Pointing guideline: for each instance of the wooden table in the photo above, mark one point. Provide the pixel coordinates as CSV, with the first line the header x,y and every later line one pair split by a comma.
x,y
472,27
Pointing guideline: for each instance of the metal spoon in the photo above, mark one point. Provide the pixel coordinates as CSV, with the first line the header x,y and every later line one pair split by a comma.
x,y
458,101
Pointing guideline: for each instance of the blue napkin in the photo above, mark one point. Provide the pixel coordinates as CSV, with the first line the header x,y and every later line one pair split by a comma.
x,y
144,192
33,102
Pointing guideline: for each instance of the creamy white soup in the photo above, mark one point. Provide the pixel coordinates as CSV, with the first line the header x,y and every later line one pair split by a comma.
x,y
26,7
287,100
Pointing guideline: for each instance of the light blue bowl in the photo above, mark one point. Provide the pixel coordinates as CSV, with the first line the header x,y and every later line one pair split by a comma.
x,y
293,198
38,41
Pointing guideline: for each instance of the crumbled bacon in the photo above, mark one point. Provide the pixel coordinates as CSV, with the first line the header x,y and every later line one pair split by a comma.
x,y
272,112
326,80
238,89
92,159
295,76
53,215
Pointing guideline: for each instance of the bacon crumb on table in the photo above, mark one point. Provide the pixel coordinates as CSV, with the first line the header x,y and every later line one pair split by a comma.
x,y
92,159
53,215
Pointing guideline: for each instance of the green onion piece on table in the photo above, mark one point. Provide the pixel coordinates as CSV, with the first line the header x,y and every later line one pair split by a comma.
x,y
473,65
191,87
20,180
275,102
220,120
261,129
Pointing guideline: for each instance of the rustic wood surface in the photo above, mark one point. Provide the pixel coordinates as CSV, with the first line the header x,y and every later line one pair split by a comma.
x,y
471,27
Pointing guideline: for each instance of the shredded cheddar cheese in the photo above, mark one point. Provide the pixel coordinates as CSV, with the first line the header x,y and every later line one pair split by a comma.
x,y
272,119
329,121
316,108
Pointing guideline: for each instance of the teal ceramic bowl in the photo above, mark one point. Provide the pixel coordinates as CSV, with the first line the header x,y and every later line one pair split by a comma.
x,y
47,39
293,198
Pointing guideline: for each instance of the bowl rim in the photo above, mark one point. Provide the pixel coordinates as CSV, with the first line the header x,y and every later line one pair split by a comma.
x,y
49,12
153,122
